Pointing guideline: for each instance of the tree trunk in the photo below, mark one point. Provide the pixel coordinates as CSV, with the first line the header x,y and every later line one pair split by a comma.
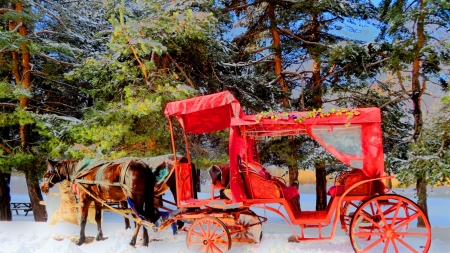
x,y
293,174
315,86
39,212
388,181
321,183
5,197
31,177
276,44
422,199
416,97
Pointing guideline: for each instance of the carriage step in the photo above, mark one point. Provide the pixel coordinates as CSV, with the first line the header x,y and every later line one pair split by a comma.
x,y
310,215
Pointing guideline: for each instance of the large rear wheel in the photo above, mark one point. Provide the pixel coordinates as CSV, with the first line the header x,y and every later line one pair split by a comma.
x,y
388,223
209,235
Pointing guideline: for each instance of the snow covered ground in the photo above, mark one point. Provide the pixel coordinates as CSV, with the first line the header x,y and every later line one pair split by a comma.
x,y
24,235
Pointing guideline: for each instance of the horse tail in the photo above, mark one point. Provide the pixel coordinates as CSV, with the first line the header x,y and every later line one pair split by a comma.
x,y
151,213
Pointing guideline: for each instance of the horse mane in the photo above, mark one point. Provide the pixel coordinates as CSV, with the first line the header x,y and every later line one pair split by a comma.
x,y
68,167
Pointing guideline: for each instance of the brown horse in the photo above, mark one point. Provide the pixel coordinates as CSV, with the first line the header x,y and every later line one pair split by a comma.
x,y
112,181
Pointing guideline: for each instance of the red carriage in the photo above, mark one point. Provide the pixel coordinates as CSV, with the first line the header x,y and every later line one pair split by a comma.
x,y
376,220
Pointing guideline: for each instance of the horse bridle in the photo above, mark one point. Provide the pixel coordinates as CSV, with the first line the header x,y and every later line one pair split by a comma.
x,y
52,173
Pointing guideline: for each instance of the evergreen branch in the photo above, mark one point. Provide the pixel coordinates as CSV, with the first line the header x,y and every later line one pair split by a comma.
x,y
275,80
44,32
56,60
214,73
51,14
396,99
239,7
242,64
6,148
334,73
36,73
16,28
258,50
8,105
4,10
181,70
144,71
300,39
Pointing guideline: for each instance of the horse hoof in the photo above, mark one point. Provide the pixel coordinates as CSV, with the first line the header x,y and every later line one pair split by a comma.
x,y
133,243
100,238
80,241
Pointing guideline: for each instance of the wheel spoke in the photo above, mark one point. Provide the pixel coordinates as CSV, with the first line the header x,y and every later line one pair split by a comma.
x,y
363,234
373,244
407,221
386,244
219,235
203,231
381,214
208,226
214,231
411,234
368,219
213,246
395,246
406,245
198,250
394,219
200,242
197,234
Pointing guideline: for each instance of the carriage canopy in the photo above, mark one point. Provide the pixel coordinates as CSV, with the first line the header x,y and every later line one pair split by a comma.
x,y
205,113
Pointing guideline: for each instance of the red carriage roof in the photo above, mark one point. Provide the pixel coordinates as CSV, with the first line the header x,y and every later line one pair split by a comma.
x,y
205,113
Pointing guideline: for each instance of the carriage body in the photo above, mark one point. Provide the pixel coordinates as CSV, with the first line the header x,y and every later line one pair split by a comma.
x,y
359,200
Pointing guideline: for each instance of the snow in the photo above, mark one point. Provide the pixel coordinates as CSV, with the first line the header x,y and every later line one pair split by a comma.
x,y
23,235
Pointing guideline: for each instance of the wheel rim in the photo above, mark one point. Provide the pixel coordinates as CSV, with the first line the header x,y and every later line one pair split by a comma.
x,y
388,223
208,235
252,231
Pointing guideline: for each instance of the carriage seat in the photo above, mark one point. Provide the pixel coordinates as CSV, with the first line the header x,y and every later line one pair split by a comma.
x,y
220,175
347,179
260,184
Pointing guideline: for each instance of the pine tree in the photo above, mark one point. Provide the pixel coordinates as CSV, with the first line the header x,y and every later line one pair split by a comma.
x,y
145,66
37,47
311,55
410,26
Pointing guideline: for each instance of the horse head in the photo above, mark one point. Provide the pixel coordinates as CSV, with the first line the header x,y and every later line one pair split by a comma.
x,y
52,175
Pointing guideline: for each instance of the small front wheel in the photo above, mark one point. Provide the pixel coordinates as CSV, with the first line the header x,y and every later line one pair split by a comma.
x,y
389,223
208,234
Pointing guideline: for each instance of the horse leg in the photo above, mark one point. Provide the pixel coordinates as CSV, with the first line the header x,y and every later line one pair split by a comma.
x,y
137,226
98,219
124,204
85,201
145,237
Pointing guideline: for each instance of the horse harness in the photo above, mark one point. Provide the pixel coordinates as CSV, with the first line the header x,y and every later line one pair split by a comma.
x,y
98,178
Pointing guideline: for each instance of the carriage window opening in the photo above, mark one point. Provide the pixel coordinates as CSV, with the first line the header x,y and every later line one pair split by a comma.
x,y
344,139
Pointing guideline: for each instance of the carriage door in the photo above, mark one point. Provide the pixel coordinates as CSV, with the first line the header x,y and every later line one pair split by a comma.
x,y
185,189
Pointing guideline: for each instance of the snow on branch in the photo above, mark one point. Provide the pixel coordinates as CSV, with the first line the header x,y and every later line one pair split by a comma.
x,y
300,39
244,64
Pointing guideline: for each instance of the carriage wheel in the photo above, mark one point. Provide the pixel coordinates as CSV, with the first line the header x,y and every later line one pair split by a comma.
x,y
208,234
251,231
388,223
348,209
